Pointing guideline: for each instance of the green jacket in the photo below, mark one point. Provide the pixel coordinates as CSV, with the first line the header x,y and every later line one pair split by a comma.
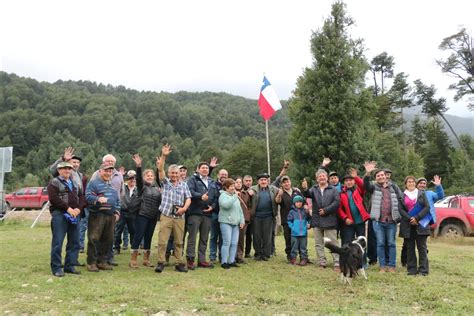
x,y
230,211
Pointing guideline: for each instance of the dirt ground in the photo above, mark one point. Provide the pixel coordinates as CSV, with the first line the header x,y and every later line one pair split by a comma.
x,y
29,215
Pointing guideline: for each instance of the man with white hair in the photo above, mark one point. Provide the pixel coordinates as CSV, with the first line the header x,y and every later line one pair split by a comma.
x,y
176,199
325,200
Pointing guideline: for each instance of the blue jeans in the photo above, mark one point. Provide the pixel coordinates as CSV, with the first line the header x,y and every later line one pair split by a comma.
x,y
216,238
83,228
230,239
60,227
299,244
385,233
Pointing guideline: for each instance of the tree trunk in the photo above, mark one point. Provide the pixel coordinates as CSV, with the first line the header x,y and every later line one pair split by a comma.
x,y
455,135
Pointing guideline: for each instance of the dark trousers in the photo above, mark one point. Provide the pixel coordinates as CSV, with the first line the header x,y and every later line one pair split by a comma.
x,y
248,238
60,228
201,224
100,235
351,232
371,243
240,245
216,237
125,220
144,229
274,232
262,237
287,235
420,241
403,254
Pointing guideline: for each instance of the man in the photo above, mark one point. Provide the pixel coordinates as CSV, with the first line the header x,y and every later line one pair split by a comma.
x,y
216,239
116,180
285,206
203,203
183,173
65,211
264,198
325,203
104,210
176,199
386,210
247,183
129,207
352,211
80,182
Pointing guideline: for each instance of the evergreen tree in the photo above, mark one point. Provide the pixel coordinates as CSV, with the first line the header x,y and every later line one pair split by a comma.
x,y
330,103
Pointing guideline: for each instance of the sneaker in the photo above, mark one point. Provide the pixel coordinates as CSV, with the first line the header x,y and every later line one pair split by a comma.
x,y
92,268
104,266
181,268
191,264
159,267
205,264
72,271
234,265
112,262
225,266
59,274
303,262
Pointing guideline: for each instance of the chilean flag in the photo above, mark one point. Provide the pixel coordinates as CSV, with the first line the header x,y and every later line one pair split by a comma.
x,y
268,100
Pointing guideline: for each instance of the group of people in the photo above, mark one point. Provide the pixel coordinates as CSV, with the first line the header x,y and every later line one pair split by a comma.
x,y
232,215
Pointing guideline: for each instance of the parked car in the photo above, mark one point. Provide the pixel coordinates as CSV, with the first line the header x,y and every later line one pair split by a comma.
x,y
457,219
444,202
27,198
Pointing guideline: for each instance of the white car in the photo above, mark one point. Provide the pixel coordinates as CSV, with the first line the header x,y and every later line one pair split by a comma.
x,y
444,202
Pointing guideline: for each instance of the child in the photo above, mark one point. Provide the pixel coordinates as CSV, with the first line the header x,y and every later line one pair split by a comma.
x,y
298,221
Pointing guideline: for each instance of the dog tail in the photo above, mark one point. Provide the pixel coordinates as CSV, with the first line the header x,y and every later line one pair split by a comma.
x,y
332,247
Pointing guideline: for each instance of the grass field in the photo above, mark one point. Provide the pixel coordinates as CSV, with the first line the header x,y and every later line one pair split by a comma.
x,y
274,287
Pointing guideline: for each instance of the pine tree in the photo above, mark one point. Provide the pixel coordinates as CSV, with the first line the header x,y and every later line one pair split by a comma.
x,y
330,103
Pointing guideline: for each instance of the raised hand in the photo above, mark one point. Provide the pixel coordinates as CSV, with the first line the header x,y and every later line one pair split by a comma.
x,y
370,166
121,170
213,162
326,161
158,158
166,150
68,153
286,164
353,172
436,180
138,160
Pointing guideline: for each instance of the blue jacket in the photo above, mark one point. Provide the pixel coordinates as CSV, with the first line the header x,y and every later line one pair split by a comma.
x,y
433,197
298,221
198,189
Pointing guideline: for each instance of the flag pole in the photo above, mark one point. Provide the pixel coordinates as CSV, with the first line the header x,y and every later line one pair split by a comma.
x,y
268,146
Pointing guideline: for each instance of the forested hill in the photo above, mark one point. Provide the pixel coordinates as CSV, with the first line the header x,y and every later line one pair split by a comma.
x,y
40,119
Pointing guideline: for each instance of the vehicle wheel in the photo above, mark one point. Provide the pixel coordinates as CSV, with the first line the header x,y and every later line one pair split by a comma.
x,y
452,231
44,203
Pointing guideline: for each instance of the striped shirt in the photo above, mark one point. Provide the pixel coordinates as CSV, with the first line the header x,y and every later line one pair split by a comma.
x,y
173,195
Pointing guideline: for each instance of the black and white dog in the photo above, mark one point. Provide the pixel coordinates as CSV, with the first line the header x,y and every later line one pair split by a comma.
x,y
351,258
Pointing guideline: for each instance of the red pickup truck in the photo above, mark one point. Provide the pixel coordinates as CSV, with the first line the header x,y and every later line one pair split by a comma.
x,y
457,219
28,198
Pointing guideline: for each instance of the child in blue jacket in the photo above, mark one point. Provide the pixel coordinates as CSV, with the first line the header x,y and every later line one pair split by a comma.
x,y
298,222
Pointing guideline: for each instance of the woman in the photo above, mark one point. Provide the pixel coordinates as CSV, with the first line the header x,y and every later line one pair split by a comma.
x,y
413,233
231,218
245,205
148,214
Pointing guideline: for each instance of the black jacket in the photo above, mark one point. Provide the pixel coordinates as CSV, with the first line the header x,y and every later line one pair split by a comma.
x,y
198,189
329,201
151,198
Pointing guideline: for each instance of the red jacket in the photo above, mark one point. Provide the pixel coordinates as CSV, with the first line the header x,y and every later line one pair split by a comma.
x,y
344,210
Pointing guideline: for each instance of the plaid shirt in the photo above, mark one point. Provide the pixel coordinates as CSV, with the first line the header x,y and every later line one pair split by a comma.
x,y
173,195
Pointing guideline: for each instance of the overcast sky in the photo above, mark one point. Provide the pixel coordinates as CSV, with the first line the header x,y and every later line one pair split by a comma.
x,y
209,45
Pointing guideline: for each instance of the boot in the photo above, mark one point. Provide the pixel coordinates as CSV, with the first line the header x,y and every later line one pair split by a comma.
x,y
133,261
146,259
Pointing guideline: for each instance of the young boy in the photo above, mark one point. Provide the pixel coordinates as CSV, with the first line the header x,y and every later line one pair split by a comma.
x,y
298,222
